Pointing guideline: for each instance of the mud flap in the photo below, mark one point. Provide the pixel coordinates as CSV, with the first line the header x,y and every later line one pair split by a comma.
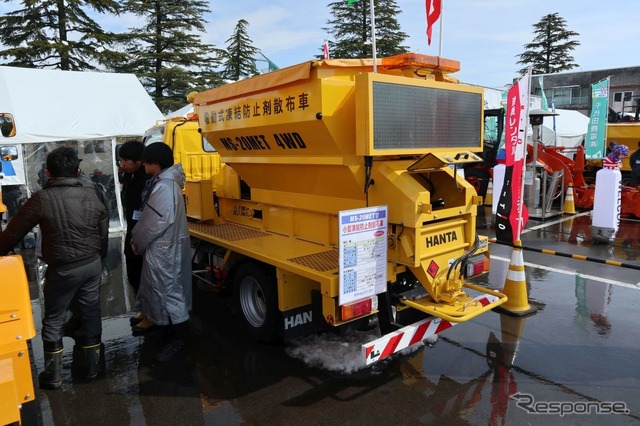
x,y
410,335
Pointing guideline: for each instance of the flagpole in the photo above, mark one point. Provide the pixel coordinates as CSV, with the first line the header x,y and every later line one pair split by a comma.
x,y
441,19
373,38
607,115
524,159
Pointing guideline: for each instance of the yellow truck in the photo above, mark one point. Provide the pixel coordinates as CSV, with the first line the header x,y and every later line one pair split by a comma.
x,y
199,159
17,394
340,201
624,134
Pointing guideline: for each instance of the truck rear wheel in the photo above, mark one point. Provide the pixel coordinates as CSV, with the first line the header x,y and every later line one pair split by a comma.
x,y
256,298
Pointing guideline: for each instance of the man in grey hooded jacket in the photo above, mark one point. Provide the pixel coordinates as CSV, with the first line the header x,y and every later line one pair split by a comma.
x,y
162,237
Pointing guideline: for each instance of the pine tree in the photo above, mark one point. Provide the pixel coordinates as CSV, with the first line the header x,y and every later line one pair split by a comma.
x,y
550,50
351,29
240,57
55,34
167,53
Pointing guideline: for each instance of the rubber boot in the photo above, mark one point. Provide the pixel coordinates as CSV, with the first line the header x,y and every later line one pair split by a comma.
x,y
88,362
51,377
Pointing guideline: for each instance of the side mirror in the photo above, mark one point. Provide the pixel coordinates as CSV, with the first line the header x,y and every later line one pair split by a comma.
x,y
8,153
7,125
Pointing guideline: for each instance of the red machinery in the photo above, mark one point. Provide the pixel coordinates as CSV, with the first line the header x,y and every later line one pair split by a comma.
x,y
553,159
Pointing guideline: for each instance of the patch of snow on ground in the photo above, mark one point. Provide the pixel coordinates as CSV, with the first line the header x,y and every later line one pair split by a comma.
x,y
342,353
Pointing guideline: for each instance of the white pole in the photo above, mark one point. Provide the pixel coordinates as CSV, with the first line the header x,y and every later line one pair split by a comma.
x,y
373,37
441,19
117,188
607,109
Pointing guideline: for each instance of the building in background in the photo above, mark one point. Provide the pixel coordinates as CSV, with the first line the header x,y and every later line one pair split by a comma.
x,y
572,90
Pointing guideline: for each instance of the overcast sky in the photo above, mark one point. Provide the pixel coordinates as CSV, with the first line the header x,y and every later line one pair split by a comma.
x,y
484,35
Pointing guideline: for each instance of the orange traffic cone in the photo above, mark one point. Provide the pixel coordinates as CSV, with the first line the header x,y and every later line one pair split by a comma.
x,y
515,286
569,205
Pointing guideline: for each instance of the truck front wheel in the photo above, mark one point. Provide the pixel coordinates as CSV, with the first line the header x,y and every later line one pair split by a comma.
x,y
256,297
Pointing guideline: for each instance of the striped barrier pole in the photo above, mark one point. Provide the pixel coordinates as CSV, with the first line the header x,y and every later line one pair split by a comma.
x,y
572,256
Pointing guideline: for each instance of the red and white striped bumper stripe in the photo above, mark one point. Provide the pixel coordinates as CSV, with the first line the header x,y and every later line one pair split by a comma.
x,y
398,340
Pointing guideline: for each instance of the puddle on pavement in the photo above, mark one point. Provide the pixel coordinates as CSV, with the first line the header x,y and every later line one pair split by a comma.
x,y
581,345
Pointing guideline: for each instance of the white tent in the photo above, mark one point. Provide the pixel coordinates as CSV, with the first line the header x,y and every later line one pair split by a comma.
x,y
89,111
571,128
182,112
52,105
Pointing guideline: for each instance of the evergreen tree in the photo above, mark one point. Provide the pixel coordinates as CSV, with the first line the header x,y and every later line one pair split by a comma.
x,y
550,50
166,53
55,34
240,57
351,29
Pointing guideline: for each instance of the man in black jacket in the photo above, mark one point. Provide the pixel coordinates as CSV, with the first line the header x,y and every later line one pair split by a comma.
x,y
75,229
133,179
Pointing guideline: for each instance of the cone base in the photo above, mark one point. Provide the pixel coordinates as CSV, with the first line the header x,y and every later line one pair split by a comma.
x,y
529,310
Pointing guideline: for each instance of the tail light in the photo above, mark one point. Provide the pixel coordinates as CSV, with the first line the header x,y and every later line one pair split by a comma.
x,y
477,265
359,308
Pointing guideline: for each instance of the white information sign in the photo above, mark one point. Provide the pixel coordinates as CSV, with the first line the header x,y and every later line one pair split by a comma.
x,y
363,253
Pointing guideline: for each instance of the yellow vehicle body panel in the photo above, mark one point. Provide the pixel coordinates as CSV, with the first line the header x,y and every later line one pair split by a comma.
x,y
292,254
16,328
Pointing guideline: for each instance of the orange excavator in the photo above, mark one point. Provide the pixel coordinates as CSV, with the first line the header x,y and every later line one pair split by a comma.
x,y
555,158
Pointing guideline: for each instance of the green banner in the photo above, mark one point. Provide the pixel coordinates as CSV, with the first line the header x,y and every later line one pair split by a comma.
x,y
597,133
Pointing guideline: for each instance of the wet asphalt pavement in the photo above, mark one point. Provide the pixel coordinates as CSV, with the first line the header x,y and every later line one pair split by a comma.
x,y
578,356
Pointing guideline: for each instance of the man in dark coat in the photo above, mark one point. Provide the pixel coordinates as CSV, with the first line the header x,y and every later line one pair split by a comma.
x,y
134,178
75,229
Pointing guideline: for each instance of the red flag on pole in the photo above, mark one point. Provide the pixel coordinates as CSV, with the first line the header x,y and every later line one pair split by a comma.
x,y
433,13
325,50
512,214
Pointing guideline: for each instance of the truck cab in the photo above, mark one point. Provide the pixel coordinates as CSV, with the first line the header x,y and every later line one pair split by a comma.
x,y
199,158
200,161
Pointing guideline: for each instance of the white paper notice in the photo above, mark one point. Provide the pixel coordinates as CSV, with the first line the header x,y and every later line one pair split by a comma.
x,y
363,253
